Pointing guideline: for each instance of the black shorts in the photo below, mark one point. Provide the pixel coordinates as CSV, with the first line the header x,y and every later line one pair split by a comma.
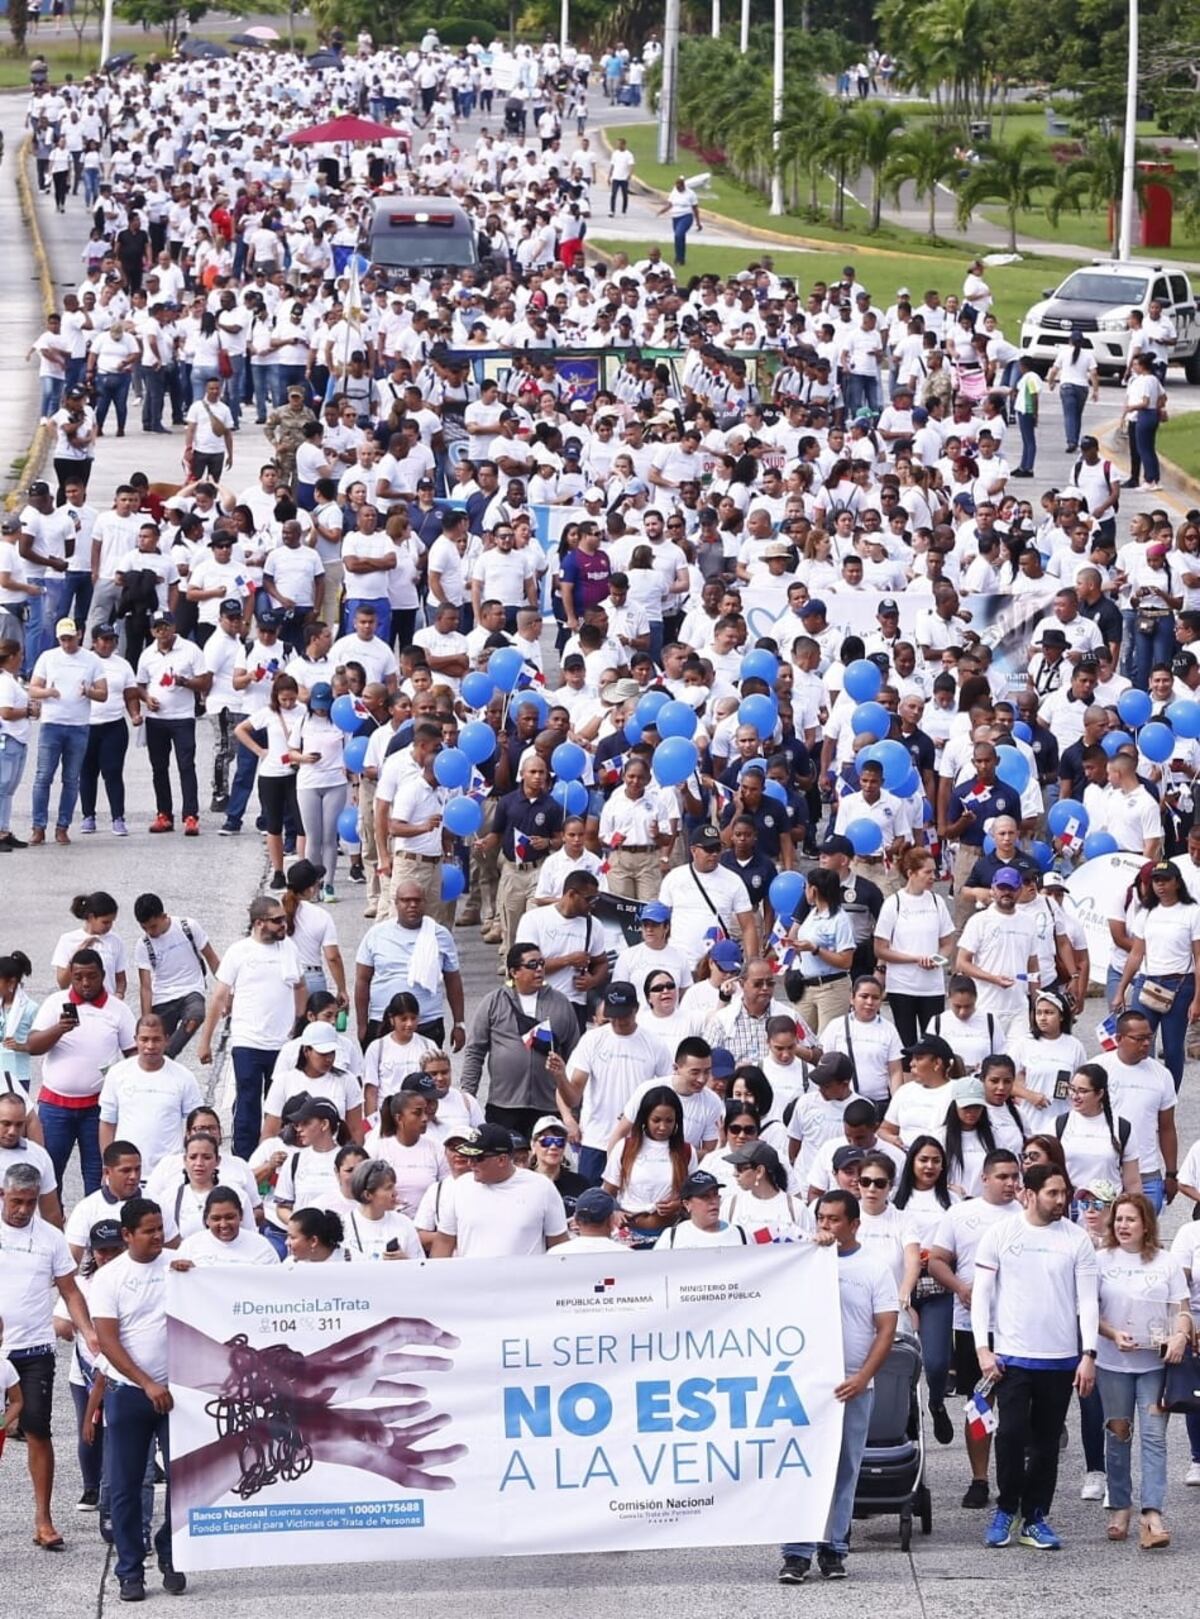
x,y
966,1363
36,1376
277,795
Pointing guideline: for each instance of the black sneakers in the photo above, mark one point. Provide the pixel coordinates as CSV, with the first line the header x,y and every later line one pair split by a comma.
x,y
943,1426
133,1589
794,1570
832,1566
976,1494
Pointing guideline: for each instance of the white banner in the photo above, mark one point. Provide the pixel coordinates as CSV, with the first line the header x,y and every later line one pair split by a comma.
x,y
585,1403
1097,884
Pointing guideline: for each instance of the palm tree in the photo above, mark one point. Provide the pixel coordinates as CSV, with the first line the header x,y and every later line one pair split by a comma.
x,y
872,130
1009,172
925,157
1096,179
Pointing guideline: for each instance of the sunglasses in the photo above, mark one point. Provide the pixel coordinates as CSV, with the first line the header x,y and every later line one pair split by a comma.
x,y
531,965
872,1180
552,1141
742,1130
1090,1205
660,989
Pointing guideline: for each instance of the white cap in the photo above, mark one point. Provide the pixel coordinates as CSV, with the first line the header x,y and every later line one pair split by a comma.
x,y
319,1036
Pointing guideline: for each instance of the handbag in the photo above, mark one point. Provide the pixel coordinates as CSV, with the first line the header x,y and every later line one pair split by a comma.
x,y
224,363
1157,997
1181,1386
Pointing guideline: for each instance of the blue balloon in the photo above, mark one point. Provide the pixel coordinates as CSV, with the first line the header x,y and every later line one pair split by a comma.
x,y
1157,742
896,761
648,705
786,892
675,758
911,783
1135,707
354,754
452,767
1113,741
633,732
568,761
1098,843
347,825
866,836
1184,715
1042,853
570,796
1013,768
478,741
863,680
775,790
532,699
463,817
676,719
453,883
760,711
477,689
871,719
1022,732
989,843
504,666
1066,811
760,665
347,713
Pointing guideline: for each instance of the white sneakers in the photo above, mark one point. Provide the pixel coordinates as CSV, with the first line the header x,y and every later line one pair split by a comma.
x,y
1093,1487
1193,1473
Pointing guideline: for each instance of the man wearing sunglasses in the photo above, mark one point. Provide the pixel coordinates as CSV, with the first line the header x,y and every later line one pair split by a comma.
x,y
741,1027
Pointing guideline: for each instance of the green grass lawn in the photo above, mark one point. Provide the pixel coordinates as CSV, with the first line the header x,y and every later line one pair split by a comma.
x,y
1016,286
1179,441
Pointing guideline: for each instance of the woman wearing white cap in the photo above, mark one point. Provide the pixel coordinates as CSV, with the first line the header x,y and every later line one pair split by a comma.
x,y
548,1157
316,1073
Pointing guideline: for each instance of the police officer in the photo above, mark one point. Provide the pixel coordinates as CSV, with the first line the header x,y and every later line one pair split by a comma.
x,y
528,825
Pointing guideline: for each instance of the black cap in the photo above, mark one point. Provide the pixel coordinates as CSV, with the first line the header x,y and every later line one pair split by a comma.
x,y
420,1084
304,875
231,607
106,1234
932,1045
488,1141
833,1068
847,1155
620,997
108,631
707,837
699,1184
837,844
162,618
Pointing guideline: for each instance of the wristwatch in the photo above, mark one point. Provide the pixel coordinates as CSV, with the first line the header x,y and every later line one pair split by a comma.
x,y
1087,1354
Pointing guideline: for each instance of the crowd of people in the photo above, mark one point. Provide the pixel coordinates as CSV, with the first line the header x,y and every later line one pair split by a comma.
x,y
618,670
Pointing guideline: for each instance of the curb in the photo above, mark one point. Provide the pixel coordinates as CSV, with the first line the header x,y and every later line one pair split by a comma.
x,y
39,444
773,238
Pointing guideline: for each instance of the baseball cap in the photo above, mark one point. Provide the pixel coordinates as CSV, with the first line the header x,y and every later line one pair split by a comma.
x,y
65,626
835,843
813,609
317,1107
105,632
1051,879
548,1121
655,911
488,1141
1007,877
319,1036
727,955
10,523
847,1155
723,1063
231,607
932,1045
270,620
920,416
321,696
833,1068
591,495
1089,442
706,837
968,1092
699,1184
594,1206
418,1084
39,487
888,606
105,1234
303,874
619,997
753,1154
163,617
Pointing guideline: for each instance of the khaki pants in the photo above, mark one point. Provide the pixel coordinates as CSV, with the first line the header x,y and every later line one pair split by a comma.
x,y
965,861
635,874
513,900
886,878
427,874
822,1003
485,870
366,831
331,598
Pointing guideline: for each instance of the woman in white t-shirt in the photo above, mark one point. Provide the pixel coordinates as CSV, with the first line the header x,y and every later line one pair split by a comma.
x,y
1046,1058
184,1203
998,1076
913,939
322,784
1096,1144
98,914
273,735
919,1105
872,1044
1145,1320
314,1072
375,1228
972,1034
1164,964
645,1171
225,1238
759,1200
923,1196
14,732
395,1055
402,1142
310,928
883,1230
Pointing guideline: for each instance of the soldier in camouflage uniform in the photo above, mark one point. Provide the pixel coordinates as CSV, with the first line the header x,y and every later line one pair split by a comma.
x,y
285,430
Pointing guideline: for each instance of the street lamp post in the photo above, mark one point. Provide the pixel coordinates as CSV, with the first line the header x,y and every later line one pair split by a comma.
x,y
777,113
564,25
668,95
106,22
716,19
745,41
1129,164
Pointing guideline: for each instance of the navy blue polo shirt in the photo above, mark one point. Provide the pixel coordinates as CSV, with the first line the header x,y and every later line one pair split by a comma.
x,y
998,800
537,817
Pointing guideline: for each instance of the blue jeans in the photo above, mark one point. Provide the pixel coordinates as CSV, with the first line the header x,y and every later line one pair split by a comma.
x,y
252,1070
383,613
935,1316
680,225
243,785
260,382
65,1127
112,388
1155,1191
44,613
1027,425
133,1428
12,767
591,1164
235,385
856,1420
1172,1025
1149,648
1145,428
52,391
65,745
1091,1432
77,596
1123,1394
1074,397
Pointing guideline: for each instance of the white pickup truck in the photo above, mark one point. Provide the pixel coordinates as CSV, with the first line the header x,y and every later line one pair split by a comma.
x,y
1097,300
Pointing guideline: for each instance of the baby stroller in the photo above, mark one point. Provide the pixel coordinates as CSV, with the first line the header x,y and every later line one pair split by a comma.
x,y
514,116
892,1478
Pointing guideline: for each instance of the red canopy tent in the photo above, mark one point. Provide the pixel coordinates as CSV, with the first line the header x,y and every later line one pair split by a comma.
x,y
347,128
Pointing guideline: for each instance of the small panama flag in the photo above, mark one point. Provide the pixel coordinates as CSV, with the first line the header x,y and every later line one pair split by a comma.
x,y
981,1419
780,947
714,935
539,1038
522,847
612,770
762,1235
804,1034
477,786
604,1286
530,675
723,795
1107,1034
1070,835
981,792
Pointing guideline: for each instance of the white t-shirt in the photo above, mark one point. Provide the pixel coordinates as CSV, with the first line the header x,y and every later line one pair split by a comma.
x,y
1138,1296
1046,1281
29,1152
918,1110
1090,1153
173,960
651,1176
32,1258
703,1111
692,916
261,977
247,1248
885,1236
871,1046
68,674
1183,1247
148,1107
512,1217
866,1289
306,1177
914,923
110,947
615,1066
1047,1066
1139,1093
1004,945
75,1064
1169,932
135,1296
367,1239
689,1235
557,935
959,1233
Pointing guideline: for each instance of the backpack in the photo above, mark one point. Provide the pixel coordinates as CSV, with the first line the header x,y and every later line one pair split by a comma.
x,y
186,926
1124,1130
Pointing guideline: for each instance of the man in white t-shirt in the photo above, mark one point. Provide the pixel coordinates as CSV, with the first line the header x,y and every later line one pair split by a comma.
x,y
998,949
66,681
16,1148
705,898
605,1069
169,676
500,1210
1035,1315
691,1080
145,1099
262,978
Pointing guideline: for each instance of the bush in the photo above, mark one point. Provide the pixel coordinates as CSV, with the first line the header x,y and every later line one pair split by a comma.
x,y
453,30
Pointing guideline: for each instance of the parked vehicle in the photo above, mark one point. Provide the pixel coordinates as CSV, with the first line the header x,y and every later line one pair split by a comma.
x,y
1097,300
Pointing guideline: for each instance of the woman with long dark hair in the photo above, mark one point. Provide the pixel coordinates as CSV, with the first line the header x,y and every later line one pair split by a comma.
x,y
645,1171
1095,1141
273,736
825,941
924,1194
1164,964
